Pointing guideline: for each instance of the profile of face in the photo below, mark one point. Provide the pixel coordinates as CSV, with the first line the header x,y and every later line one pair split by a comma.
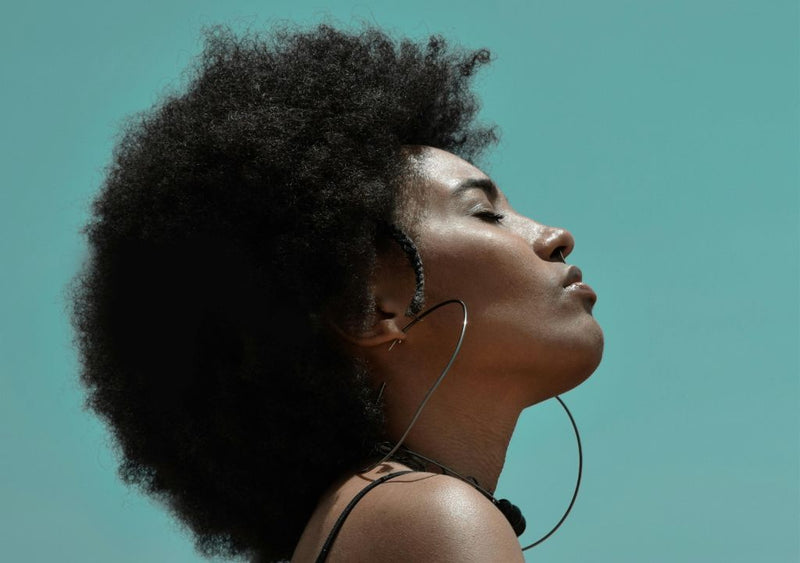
x,y
531,332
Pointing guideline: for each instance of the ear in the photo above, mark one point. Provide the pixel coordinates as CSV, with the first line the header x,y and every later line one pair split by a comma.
x,y
393,288
385,328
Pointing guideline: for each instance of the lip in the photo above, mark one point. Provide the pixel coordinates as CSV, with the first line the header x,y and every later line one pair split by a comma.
x,y
573,282
574,275
584,289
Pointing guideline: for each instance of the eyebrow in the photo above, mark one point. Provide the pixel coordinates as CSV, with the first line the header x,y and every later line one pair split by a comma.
x,y
480,183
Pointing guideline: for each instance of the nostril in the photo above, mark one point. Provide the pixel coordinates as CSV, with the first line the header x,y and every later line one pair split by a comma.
x,y
559,254
553,244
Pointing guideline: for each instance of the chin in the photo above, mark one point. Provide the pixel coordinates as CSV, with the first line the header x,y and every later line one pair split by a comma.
x,y
583,372
595,347
583,357
590,356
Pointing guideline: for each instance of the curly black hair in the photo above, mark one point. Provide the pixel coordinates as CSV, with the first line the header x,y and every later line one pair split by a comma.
x,y
237,219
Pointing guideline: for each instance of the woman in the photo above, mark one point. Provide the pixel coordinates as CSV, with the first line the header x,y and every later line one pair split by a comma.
x,y
263,251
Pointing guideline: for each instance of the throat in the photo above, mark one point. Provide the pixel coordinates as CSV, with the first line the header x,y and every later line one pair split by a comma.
x,y
468,446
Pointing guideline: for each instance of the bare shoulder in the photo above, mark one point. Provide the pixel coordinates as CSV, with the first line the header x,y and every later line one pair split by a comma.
x,y
413,517
443,519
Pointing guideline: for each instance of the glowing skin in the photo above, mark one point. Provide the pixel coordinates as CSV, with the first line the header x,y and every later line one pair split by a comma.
x,y
523,323
531,335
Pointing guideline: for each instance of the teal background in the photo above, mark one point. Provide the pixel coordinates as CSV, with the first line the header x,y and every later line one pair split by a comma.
x,y
663,134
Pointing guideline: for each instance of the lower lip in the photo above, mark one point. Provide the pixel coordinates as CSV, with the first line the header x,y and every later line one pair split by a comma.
x,y
582,289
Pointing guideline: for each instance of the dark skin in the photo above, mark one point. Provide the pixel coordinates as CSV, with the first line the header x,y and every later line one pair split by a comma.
x,y
531,336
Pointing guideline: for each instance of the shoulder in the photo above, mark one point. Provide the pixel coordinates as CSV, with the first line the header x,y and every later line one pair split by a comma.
x,y
444,519
417,517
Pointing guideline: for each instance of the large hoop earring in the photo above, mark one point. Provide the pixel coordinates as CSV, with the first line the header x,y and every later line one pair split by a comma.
x,y
509,510
436,383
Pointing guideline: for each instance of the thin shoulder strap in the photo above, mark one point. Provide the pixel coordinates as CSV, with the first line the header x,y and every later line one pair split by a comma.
x,y
323,554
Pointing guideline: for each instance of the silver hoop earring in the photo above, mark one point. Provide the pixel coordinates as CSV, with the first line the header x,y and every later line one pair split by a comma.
x,y
511,512
436,383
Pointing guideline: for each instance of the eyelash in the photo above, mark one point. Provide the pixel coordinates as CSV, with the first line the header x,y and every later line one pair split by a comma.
x,y
490,216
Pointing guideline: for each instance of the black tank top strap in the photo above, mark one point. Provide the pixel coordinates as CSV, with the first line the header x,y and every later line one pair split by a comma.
x,y
323,554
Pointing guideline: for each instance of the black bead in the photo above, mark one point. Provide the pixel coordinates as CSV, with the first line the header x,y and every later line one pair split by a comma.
x,y
513,515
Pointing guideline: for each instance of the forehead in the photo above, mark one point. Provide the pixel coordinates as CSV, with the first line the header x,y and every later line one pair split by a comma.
x,y
439,180
442,171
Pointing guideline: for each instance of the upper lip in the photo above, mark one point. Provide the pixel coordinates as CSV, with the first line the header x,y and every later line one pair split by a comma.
x,y
574,275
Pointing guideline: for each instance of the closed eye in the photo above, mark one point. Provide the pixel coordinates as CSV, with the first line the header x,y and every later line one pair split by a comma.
x,y
490,216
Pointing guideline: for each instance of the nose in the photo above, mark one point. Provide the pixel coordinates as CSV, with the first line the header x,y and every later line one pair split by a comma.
x,y
554,244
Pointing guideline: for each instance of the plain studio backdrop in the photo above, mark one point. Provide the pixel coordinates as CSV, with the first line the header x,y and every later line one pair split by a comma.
x,y
663,134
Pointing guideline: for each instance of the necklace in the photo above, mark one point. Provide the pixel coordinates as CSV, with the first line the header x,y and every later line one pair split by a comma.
x,y
389,451
513,514
417,461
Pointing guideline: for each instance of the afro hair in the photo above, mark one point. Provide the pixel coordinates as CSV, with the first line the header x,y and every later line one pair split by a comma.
x,y
237,218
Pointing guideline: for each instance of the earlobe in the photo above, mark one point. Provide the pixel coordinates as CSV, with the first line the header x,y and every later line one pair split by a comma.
x,y
394,287
385,331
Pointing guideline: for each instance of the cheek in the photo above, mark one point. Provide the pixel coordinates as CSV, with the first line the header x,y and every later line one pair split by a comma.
x,y
484,267
512,295
519,315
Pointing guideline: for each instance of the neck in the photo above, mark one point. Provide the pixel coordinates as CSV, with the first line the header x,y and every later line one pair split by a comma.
x,y
471,440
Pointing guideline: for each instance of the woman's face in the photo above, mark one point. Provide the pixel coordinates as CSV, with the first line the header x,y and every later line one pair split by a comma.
x,y
529,321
